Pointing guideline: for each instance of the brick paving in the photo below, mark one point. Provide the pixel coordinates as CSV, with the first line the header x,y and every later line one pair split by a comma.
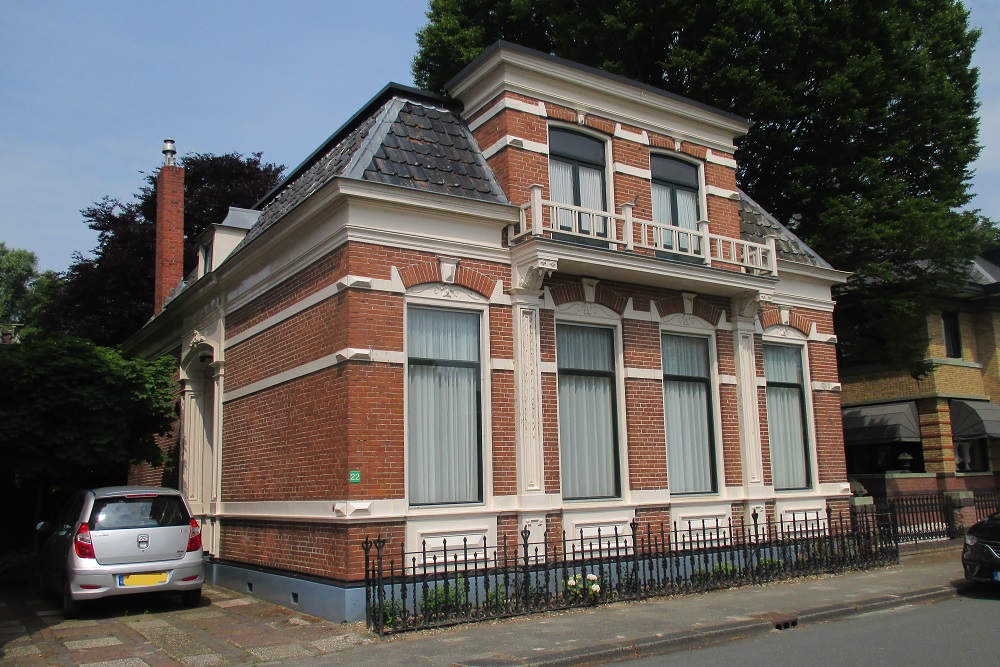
x,y
157,631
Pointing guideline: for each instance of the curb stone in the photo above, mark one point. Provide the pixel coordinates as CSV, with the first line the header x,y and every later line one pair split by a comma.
x,y
689,639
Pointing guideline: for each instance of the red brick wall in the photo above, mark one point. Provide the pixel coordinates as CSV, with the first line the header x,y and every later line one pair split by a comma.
x,y
169,234
326,550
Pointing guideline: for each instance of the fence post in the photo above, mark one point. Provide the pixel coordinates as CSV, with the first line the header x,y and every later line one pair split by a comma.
x,y
374,599
525,574
960,512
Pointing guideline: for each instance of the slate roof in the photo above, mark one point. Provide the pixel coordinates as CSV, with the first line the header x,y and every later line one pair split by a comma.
x,y
757,225
403,137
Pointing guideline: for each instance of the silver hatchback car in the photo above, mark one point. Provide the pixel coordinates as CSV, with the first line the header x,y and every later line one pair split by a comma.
x,y
122,540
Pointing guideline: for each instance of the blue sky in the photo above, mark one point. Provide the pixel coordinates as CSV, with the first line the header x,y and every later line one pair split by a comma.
x,y
88,91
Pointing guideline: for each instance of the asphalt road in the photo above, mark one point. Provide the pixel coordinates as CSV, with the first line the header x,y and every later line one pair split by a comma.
x,y
962,631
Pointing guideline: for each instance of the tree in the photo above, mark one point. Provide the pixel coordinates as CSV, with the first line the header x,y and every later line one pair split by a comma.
x,y
24,292
76,415
109,296
863,116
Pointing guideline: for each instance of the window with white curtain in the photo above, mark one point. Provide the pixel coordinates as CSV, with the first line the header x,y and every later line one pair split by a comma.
x,y
675,200
588,424
576,177
687,408
786,416
444,406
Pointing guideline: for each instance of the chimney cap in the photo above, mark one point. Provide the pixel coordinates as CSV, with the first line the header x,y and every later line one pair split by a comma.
x,y
169,151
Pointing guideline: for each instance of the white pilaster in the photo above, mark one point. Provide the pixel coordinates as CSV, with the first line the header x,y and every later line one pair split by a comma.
x,y
528,395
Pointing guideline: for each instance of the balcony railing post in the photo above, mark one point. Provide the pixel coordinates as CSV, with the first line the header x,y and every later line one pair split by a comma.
x,y
772,255
706,242
536,210
627,225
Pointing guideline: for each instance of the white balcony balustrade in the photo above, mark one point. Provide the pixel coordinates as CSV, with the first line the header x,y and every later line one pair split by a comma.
x,y
623,232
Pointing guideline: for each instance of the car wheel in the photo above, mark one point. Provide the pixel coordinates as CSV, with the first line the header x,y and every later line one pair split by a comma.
x,y
70,607
191,598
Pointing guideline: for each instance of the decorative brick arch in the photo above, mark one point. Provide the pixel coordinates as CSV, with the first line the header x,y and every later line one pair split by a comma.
x,y
800,322
770,316
673,304
474,280
566,293
417,274
430,272
610,298
604,295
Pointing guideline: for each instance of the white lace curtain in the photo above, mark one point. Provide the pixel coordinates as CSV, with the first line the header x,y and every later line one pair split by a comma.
x,y
785,416
687,413
443,406
587,443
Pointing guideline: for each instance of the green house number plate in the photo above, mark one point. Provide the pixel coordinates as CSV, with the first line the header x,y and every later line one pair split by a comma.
x,y
355,477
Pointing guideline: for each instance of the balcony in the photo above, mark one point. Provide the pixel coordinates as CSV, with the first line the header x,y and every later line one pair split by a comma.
x,y
541,218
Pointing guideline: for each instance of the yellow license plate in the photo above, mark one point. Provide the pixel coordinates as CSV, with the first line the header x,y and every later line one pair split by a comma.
x,y
146,579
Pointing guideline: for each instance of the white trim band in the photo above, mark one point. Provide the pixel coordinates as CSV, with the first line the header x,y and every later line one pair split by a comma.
x,y
346,354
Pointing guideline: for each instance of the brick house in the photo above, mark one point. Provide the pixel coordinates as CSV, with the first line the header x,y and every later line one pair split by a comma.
x,y
541,302
941,432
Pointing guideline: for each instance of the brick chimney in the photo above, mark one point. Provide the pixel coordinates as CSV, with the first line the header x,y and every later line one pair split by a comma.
x,y
169,227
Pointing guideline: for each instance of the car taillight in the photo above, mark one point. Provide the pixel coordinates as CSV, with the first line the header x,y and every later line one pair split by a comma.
x,y
194,538
82,543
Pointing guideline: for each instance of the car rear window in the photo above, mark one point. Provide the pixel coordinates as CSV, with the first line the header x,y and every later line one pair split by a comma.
x,y
138,512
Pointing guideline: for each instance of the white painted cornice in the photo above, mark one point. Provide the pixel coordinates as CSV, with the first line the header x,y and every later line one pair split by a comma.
x,y
557,83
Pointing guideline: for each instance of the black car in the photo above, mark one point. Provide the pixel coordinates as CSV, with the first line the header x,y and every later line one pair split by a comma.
x,y
981,555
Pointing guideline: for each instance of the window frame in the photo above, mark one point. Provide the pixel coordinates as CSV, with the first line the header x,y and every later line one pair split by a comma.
x,y
711,397
619,436
468,303
575,163
951,329
779,339
697,189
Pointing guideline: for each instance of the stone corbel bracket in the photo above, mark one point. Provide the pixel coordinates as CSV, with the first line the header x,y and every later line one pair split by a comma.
x,y
529,276
747,304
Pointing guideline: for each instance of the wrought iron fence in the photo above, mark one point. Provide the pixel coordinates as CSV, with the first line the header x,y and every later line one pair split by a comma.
x,y
987,502
461,584
919,518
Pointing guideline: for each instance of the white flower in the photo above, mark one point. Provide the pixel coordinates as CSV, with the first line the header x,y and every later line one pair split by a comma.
x,y
596,588
571,582
591,577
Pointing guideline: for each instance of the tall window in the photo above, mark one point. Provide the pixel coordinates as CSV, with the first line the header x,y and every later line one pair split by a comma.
x,y
675,198
576,177
588,440
687,407
444,407
952,335
786,422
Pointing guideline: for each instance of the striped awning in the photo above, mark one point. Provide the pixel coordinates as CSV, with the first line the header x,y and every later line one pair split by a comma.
x,y
886,422
974,419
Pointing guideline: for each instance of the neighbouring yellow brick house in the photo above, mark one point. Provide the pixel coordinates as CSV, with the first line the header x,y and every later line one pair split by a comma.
x,y
941,432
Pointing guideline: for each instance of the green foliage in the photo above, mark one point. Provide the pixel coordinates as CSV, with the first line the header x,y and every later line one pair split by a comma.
x,y
864,123
720,572
24,291
439,600
73,411
109,296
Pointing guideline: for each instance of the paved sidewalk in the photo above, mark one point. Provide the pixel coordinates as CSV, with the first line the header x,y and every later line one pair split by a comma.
x,y
231,629
156,631
618,631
